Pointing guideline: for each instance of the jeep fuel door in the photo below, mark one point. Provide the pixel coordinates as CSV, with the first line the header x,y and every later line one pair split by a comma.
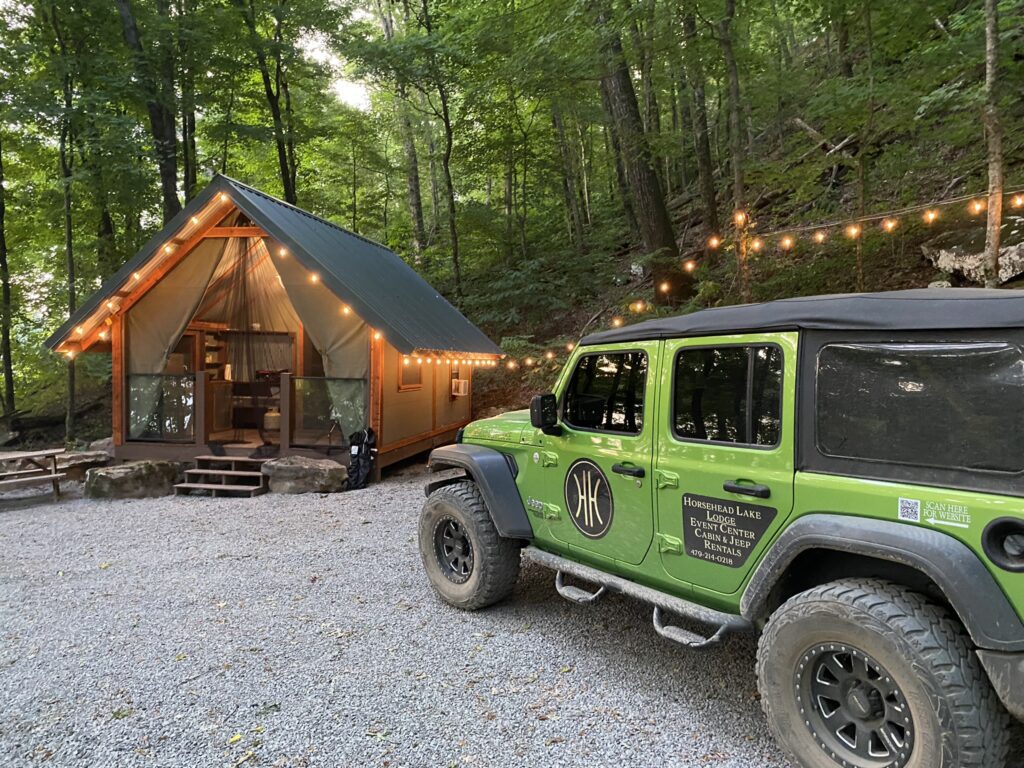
x,y
724,473
602,481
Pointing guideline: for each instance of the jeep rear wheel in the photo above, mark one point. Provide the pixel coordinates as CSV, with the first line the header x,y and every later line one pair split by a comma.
x,y
868,674
469,565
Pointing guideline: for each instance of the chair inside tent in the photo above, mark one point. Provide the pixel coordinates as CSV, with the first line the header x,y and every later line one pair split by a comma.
x,y
246,319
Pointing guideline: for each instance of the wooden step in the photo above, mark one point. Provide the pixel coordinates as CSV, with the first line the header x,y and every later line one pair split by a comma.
x,y
224,472
34,480
218,489
236,459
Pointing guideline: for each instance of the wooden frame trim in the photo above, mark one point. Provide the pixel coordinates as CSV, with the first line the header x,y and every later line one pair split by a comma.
x,y
118,404
401,369
376,404
235,232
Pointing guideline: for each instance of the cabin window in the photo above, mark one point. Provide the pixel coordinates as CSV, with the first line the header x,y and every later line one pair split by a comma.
x,y
606,393
410,377
729,395
948,405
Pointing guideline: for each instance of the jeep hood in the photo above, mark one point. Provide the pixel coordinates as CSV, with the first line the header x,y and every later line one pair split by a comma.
x,y
506,428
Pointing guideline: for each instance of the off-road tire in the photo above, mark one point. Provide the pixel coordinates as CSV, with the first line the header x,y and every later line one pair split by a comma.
x,y
495,560
958,720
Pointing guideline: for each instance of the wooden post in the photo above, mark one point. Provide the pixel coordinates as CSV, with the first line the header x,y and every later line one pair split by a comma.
x,y
200,433
117,378
286,412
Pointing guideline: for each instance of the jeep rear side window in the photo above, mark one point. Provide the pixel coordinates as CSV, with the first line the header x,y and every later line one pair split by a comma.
x,y
729,394
949,405
606,392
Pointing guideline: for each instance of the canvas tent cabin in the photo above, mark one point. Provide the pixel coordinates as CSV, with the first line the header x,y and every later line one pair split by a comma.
x,y
248,322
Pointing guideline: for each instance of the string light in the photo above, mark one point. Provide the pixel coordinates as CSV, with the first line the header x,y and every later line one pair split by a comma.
x,y
740,218
637,306
786,243
136,275
314,277
346,309
511,365
405,361
283,252
930,216
690,265
80,330
853,231
714,242
377,336
168,248
570,346
1018,201
103,335
889,224
616,322
528,362
195,219
549,355
757,244
419,361
223,197
664,287
976,207
820,236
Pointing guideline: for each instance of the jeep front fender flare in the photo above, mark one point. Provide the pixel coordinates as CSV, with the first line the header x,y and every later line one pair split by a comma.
x,y
493,475
951,565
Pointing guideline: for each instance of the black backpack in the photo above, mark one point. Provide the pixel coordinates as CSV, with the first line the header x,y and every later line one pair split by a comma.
x,y
363,456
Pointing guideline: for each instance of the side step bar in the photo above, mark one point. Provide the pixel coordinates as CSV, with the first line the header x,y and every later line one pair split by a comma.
x,y
724,623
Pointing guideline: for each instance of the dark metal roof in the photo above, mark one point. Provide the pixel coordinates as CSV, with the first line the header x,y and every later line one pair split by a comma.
x,y
380,287
937,309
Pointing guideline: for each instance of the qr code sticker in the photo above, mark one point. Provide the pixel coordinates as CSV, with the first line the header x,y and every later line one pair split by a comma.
x,y
910,510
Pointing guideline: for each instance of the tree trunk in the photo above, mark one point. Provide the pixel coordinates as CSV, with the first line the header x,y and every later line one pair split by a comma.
x,y
273,85
572,204
649,203
449,186
188,100
735,105
6,310
993,128
701,139
842,33
160,106
612,135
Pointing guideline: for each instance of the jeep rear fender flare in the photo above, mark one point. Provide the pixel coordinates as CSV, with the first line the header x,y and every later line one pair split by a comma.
x,y
493,473
951,565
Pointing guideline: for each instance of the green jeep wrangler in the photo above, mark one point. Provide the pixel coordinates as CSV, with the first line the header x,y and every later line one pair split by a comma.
x,y
843,474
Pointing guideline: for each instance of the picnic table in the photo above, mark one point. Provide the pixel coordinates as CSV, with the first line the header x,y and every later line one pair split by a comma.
x,y
42,469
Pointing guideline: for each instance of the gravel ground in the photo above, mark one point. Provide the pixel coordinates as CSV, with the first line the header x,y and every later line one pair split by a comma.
x,y
301,631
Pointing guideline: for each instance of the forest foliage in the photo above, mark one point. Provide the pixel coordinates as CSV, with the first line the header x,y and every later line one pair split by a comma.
x,y
544,163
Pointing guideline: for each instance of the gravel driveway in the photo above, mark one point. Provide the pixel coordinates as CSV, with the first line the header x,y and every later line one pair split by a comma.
x,y
295,631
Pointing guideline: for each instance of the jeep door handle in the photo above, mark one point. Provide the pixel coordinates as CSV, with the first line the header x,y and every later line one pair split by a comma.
x,y
735,486
628,469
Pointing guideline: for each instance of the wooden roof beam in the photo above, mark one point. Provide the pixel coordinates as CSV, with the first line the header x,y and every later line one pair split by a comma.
x,y
235,232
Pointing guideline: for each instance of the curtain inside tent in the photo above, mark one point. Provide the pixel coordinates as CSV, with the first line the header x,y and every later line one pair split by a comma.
x,y
154,326
342,340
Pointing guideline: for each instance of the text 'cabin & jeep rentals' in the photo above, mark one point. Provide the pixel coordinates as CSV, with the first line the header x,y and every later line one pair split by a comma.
x,y
844,474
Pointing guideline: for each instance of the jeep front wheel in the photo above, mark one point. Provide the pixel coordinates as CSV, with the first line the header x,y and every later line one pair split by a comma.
x,y
469,565
865,673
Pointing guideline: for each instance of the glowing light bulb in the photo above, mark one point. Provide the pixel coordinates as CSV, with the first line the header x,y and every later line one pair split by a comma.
x,y
136,275
80,330
889,224
195,219
419,361
168,248
528,362
103,335
740,218
714,242
570,346
786,243
549,355
664,287
282,253
819,236
511,364
930,216
853,231
976,206
346,310
690,265
314,277
616,322
757,244
223,197
405,361
1017,201
377,336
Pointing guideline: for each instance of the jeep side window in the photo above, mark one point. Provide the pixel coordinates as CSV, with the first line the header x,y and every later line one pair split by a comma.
x,y
948,405
729,394
606,392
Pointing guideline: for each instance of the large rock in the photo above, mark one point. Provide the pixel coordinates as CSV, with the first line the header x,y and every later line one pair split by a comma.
x,y
963,253
133,480
105,444
299,474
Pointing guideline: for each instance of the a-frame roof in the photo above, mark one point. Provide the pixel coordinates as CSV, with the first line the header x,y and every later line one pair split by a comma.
x,y
381,288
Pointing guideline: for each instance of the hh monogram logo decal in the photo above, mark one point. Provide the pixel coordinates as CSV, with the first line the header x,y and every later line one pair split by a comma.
x,y
588,499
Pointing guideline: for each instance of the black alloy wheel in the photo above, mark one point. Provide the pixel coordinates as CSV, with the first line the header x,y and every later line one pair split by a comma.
x,y
853,708
454,550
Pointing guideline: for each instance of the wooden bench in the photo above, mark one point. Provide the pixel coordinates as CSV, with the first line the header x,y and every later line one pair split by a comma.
x,y
41,472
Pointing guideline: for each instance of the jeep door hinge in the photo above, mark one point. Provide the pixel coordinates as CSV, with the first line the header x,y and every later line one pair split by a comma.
x,y
548,459
666,479
669,544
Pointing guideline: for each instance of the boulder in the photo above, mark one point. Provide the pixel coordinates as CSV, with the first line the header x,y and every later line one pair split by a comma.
x,y
133,480
963,253
106,444
76,464
299,474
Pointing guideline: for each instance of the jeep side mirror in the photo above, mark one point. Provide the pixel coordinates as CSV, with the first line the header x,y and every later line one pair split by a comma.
x,y
544,413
